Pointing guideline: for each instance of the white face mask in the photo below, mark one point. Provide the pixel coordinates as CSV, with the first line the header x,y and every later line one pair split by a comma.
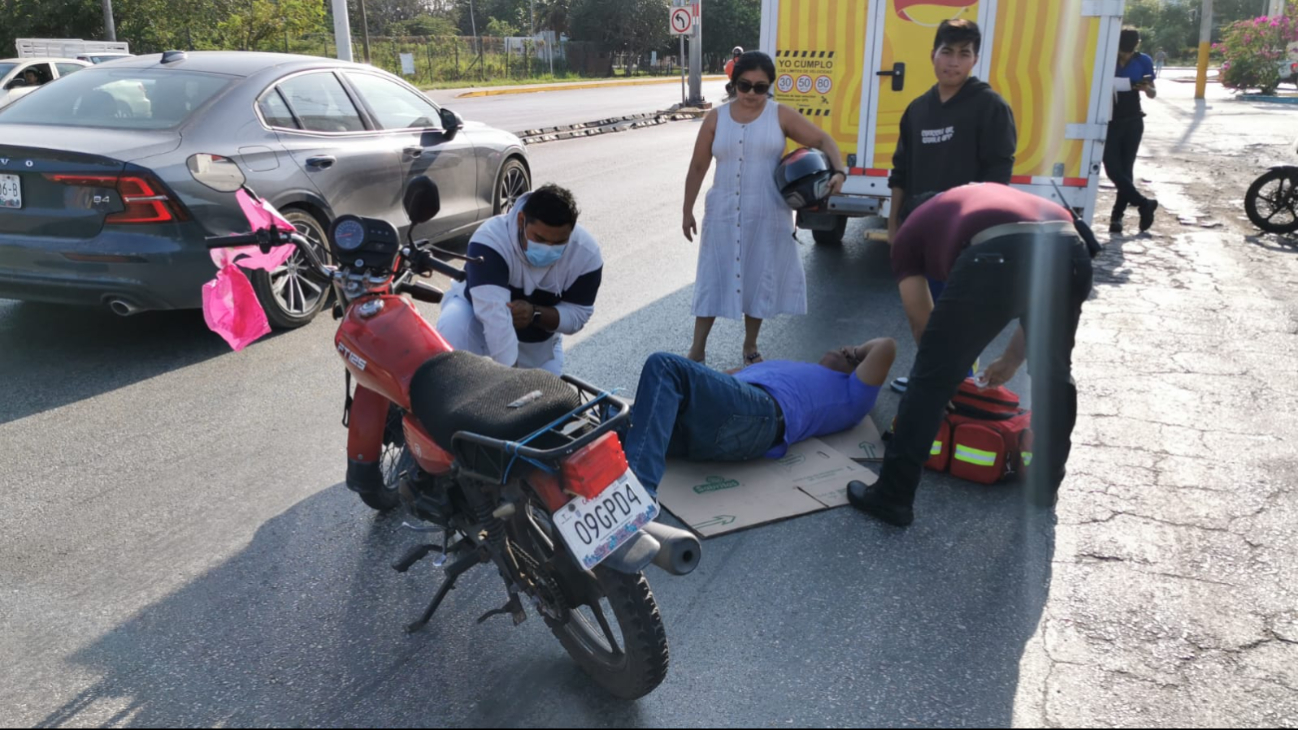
x,y
540,255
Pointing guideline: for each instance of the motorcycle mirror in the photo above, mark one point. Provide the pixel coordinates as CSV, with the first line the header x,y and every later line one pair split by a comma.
x,y
216,172
422,200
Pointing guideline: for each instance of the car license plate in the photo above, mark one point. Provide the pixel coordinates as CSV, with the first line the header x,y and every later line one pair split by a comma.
x,y
11,191
596,528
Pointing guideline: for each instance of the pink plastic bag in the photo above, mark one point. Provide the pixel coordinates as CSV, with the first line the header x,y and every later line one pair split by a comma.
x,y
230,305
231,309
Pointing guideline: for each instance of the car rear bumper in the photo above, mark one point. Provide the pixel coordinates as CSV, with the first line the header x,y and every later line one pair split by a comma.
x,y
150,270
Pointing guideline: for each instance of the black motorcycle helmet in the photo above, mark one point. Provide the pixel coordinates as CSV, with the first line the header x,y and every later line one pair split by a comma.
x,y
737,51
803,177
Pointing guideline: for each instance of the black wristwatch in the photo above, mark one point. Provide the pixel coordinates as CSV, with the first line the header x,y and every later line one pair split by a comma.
x,y
536,315
839,172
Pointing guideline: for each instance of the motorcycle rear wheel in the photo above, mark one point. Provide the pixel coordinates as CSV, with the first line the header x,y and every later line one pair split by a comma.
x,y
634,667
627,655
1272,201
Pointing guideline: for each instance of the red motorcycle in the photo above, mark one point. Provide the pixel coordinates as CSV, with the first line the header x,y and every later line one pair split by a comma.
x,y
515,468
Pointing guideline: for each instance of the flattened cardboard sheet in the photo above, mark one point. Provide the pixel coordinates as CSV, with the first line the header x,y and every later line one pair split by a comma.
x,y
714,498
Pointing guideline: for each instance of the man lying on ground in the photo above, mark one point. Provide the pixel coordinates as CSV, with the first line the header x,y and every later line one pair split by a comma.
x,y
685,409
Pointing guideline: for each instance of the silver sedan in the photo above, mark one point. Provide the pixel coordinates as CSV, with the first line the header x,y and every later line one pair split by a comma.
x,y
97,204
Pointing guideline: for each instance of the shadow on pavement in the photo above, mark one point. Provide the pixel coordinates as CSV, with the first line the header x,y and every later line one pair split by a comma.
x,y
302,628
829,619
1275,242
56,355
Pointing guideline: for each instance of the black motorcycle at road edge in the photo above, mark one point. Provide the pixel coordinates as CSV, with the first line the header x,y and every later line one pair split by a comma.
x,y
1272,200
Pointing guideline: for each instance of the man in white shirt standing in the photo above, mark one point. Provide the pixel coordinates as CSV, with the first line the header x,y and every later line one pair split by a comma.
x,y
537,279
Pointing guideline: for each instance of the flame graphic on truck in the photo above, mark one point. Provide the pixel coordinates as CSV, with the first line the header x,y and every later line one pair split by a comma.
x,y
931,13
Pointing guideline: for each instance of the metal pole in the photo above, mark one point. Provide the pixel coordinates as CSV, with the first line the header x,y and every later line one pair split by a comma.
x,y
1205,47
110,29
696,59
680,60
365,32
342,30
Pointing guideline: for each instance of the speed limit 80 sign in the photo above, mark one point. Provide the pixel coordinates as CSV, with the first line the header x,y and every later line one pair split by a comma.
x,y
682,21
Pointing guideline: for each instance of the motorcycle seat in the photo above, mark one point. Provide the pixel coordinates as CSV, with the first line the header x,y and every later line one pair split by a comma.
x,y
460,391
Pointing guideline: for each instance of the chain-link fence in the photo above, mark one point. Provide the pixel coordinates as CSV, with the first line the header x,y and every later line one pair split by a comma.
x,y
483,59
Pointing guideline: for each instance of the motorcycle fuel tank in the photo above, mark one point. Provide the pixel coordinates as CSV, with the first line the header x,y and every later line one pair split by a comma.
x,y
383,341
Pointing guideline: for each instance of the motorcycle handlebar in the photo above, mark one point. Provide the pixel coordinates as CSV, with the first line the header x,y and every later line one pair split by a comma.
x,y
238,239
269,239
425,263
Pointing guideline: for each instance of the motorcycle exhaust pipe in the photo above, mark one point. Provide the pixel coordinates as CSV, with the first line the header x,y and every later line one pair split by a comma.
x,y
679,552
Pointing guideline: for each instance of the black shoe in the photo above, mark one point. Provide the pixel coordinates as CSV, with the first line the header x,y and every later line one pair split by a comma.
x,y
1147,214
1115,226
872,501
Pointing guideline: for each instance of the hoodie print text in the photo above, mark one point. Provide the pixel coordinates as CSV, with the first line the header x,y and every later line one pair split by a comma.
x,y
937,136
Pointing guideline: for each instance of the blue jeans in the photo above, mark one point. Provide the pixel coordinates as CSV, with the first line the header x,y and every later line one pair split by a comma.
x,y
688,410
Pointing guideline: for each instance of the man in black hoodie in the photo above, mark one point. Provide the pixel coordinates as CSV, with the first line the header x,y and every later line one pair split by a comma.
x,y
960,132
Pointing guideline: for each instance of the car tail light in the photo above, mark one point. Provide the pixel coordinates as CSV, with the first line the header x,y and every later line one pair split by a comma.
x,y
144,198
594,467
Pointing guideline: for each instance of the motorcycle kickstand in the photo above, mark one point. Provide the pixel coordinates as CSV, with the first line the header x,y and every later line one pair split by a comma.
x,y
513,608
453,573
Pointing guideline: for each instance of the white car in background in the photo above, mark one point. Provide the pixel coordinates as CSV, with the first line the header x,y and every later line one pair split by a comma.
x,y
97,58
1289,66
13,75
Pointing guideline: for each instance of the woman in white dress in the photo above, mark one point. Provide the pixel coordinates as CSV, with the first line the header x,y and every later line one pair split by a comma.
x,y
748,257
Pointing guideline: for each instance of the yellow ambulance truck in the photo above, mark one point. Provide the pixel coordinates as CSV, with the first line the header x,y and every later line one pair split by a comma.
x,y
853,66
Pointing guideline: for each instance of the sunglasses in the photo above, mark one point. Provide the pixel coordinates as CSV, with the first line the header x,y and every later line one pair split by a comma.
x,y
749,87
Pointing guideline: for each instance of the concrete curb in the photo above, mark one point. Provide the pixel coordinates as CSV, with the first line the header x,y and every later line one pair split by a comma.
x,y
578,86
608,126
1269,99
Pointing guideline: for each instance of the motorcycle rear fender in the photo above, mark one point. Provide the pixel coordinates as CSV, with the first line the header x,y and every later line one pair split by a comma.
x,y
367,420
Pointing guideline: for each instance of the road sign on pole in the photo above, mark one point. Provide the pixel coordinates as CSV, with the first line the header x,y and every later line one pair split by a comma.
x,y
682,21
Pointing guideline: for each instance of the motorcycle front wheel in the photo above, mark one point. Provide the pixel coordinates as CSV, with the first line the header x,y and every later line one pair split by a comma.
x,y
1272,201
618,640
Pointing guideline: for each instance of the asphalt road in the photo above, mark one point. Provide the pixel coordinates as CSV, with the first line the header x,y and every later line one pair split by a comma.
x,y
176,546
518,112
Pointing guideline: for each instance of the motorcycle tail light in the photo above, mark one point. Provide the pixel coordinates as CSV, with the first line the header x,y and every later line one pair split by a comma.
x,y
591,469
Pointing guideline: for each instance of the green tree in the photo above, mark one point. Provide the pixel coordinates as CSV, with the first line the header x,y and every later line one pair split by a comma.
x,y
553,15
428,26
626,25
730,23
497,28
513,12
256,21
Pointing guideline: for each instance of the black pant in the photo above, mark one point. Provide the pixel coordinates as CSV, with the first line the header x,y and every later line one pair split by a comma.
x,y
1120,148
1040,280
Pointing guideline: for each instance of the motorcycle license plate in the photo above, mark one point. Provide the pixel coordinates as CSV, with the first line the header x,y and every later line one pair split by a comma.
x,y
594,528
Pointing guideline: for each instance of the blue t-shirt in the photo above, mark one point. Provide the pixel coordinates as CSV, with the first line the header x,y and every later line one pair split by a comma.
x,y
816,401
1127,103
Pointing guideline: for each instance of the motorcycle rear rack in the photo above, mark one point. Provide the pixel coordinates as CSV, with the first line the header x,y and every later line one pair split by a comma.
x,y
492,460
